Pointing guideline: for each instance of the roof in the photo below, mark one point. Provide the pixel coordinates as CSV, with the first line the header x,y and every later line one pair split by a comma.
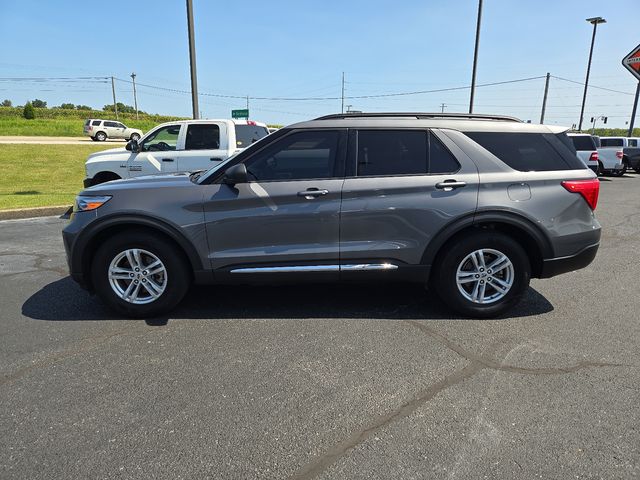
x,y
462,122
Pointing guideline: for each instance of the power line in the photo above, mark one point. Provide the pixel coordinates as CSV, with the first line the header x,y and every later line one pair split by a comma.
x,y
592,86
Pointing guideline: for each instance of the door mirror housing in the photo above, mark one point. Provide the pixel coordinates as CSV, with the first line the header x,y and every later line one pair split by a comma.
x,y
132,146
236,174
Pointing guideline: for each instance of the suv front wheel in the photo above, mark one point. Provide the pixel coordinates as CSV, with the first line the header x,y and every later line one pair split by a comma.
x,y
483,275
139,275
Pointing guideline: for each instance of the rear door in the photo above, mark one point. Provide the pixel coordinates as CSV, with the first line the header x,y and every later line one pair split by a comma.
x,y
205,145
286,218
402,187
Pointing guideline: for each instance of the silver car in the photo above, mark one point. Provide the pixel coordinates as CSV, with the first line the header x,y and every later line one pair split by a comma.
x,y
472,206
100,130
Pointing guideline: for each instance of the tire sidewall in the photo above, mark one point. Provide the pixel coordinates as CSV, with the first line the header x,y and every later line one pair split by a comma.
x,y
101,136
178,278
446,284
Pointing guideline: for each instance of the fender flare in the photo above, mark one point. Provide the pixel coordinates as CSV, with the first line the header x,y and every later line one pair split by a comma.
x,y
494,216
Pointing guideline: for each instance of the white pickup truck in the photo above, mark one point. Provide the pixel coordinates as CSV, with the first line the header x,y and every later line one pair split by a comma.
x,y
610,158
180,146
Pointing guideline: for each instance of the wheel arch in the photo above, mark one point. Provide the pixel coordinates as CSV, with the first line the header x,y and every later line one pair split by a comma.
x,y
534,241
88,242
104,176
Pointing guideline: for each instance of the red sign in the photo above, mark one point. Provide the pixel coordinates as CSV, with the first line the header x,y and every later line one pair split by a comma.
x,y
632,62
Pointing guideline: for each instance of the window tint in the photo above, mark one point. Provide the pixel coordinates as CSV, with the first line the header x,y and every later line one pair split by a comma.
x,y
163,139
120,125
633,142
402,152
248,134
583,143
440,159
392,152
303,155
96,123
203,137
528,151
110,124
611,142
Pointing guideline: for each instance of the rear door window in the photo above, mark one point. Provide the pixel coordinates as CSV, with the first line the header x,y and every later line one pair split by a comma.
x,y
529,152
633,142
203,137
402,152
96,123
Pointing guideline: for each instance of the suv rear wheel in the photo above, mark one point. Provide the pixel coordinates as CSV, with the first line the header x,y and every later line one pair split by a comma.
x,y
483,275
139,275
101,136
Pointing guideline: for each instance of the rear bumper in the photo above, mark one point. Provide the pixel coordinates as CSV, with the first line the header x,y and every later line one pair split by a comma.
x,y
555,266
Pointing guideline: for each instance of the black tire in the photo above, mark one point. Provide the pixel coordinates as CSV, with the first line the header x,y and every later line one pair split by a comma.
x,y
93,139
637,169
601,171
101,136
178,275
134,136
446,285
621,172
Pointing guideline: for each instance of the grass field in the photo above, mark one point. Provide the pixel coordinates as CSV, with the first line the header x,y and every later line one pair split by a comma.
x,y
42,175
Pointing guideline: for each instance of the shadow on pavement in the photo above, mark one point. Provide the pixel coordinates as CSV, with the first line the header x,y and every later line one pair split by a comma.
x,y
64,300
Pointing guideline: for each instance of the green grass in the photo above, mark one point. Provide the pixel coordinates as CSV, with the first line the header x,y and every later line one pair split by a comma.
x,y
42,175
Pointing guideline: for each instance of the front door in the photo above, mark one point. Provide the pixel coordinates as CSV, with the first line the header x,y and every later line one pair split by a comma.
x,y
395,197
158,153
286,218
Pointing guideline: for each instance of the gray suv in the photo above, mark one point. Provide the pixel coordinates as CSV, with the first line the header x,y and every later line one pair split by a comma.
x,y
471,206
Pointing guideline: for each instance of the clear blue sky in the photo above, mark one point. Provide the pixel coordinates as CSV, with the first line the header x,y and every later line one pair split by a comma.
x,y
300,48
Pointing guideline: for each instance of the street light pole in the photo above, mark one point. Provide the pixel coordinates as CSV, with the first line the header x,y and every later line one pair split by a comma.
x,y
135,96
593,21
475,57
192,60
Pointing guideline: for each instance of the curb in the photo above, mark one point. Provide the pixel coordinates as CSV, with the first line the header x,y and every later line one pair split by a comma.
x,y
32,212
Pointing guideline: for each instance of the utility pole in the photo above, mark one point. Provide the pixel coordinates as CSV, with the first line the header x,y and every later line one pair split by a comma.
x,y
192,60
442,107
135,97
113,91
342,107
247,102
593,21
544,99
475,57
633,112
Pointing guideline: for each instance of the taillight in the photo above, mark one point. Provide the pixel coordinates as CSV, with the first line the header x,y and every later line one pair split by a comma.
x,y
619,154
589,189
594,157
250,122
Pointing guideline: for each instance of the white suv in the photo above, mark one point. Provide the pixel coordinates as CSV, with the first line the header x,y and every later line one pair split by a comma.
x,y
100,130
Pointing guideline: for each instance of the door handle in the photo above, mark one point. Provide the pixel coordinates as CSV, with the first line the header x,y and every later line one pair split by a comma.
x,y
214,159
167,159
312,193
449,185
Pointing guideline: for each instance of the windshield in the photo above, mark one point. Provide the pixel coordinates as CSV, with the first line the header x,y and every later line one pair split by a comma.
x,y
249,134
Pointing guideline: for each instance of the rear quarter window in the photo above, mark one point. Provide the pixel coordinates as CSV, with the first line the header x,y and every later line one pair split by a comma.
x,y
529,152
96,123
583,143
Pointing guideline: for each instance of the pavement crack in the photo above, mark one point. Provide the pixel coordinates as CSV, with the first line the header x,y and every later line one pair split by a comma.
x,y
321,463
493,364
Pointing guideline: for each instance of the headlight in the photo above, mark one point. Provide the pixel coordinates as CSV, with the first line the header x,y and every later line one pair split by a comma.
x,y
86,203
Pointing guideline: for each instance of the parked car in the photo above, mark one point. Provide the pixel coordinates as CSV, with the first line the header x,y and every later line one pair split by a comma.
x,y
100,130
586,149
471,205
630,150
180,146
611,159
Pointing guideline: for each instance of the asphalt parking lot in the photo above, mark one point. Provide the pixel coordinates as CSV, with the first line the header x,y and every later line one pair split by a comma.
x,y
328,382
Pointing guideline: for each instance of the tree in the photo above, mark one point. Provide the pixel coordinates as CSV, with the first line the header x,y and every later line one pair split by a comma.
x,y
67,106
122,108
83,107
29,112
39,103
6,103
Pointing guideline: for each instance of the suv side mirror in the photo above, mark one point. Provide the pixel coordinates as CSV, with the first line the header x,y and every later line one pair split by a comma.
x,y
235,174
132,146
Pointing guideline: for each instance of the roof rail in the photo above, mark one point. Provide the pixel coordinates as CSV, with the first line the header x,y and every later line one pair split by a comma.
x,y
462,116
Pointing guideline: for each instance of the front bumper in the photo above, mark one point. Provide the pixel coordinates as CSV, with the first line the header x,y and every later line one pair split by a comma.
x,y
555,266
